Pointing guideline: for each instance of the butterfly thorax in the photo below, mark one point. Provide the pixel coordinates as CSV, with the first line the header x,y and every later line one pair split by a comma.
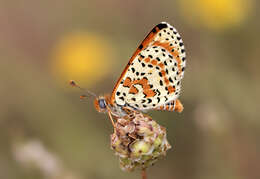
x,y
103,104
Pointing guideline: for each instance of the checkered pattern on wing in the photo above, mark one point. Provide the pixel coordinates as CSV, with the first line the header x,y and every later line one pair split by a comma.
x,y
153,76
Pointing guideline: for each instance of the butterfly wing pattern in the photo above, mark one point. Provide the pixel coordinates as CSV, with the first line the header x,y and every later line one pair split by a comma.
x,y
152,78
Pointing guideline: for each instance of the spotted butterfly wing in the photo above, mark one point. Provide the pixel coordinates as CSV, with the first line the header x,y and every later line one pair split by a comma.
x,y
152,78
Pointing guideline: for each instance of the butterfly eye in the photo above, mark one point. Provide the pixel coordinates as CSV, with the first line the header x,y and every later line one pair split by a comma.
x,y
102,103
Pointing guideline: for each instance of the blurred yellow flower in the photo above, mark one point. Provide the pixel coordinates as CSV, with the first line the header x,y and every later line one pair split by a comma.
x,y
216,14
83,57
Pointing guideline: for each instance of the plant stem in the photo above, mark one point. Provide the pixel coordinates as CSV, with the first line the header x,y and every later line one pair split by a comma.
x,y
144,176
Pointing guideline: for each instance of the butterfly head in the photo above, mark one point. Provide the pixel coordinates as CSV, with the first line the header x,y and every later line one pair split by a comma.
x,y
100,104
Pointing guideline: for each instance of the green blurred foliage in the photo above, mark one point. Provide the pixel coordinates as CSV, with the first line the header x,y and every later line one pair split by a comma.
x,y
216,136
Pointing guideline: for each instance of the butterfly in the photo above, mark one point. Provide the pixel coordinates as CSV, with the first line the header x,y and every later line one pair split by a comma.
x,y
151,79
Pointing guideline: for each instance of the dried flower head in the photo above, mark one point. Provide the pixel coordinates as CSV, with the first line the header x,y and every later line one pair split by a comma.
x,y
138,141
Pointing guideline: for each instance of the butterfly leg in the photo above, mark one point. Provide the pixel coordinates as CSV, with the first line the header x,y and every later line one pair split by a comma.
x,y
111,118
129,111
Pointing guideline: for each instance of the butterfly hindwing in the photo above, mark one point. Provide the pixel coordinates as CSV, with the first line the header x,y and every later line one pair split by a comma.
x,y
153,75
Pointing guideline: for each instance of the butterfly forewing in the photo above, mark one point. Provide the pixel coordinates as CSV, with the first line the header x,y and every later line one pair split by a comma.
x,y
153,75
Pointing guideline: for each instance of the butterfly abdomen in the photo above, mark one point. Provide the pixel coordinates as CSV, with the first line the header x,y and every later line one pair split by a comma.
x,y
174,105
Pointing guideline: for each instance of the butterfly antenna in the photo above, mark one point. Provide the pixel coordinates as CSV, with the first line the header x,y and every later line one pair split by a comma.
x,y
88,93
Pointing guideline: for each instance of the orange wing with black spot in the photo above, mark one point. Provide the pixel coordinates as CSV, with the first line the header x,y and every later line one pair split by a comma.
x,y
152,78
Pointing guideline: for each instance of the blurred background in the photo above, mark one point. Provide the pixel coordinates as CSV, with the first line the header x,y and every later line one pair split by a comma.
x,y
47,132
